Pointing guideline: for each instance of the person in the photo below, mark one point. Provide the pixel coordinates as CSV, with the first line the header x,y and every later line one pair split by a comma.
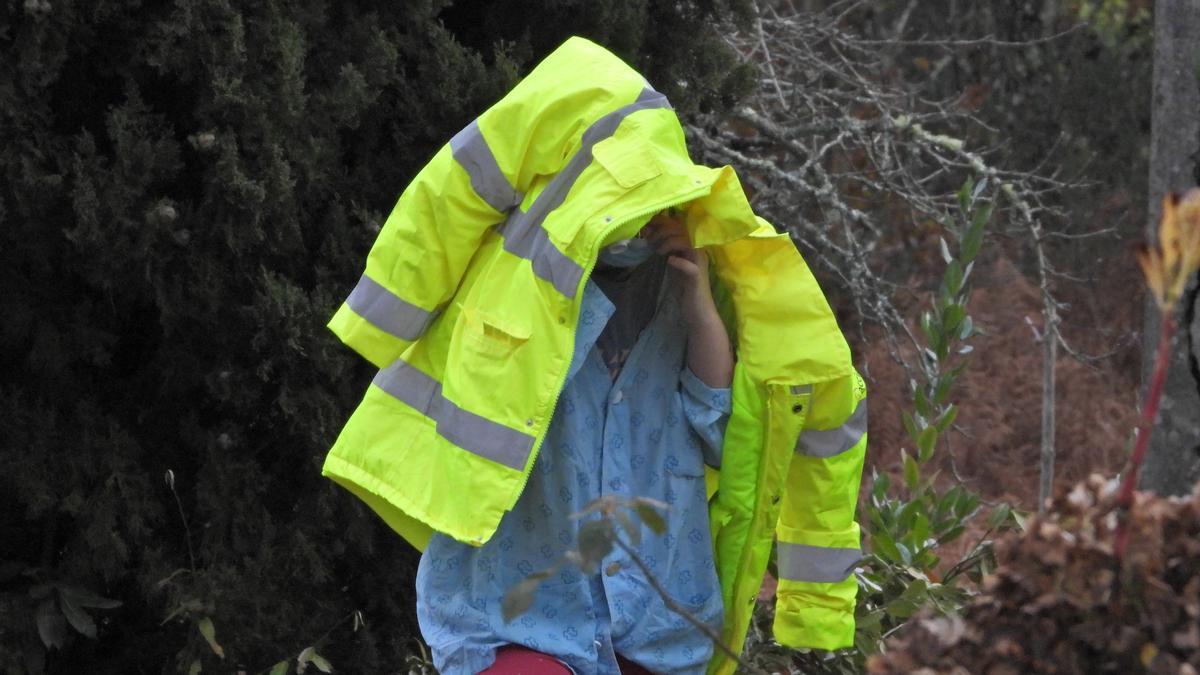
x,y
519,375
643,408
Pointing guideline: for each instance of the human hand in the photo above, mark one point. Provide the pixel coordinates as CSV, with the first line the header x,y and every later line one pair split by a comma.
x,y
709,354
669,237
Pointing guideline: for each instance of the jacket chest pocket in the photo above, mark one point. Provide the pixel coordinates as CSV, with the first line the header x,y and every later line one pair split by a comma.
x,y
627,160
490,335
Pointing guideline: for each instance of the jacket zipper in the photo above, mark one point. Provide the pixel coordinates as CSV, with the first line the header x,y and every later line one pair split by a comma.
x,y
587,273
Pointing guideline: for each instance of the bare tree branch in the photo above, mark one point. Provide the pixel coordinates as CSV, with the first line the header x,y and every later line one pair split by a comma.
x,y
849,161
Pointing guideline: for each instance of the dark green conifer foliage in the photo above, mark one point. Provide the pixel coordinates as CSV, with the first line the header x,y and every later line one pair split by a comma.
x,y
188,188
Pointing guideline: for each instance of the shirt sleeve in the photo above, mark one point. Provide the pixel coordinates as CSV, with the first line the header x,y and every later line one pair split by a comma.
x,y
707,412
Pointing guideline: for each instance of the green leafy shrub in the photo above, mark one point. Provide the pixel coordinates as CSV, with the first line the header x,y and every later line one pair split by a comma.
x,y
907,524
187,191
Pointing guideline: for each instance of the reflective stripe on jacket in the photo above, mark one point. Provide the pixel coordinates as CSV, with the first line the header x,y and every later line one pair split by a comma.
x,y
469,303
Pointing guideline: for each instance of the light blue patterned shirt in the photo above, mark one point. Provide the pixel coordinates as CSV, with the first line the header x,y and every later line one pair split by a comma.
x,y
648,433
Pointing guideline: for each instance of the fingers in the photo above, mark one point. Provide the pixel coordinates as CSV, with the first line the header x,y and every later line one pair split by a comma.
x,y
670,237
676,243
689,269
663,226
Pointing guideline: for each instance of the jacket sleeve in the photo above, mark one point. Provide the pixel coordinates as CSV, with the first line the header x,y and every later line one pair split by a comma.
x,y
817,536
423,249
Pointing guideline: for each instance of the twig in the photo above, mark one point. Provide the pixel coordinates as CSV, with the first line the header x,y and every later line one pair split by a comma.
x,y
762,41
1049,359
976,550
1158,380
682,611
170,480
985,41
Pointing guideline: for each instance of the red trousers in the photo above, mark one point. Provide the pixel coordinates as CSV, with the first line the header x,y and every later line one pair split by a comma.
x,y
513,660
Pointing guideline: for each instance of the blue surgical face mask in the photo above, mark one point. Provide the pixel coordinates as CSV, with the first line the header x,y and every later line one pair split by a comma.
x,y
626,253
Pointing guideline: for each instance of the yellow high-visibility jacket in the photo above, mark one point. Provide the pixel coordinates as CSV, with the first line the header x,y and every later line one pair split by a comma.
x,y
469,305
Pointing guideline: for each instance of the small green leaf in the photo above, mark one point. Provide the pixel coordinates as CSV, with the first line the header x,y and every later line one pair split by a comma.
x,y
917,590
309,655
920,530
52,629
875,516
280,668
981,218
955,313
652,518
79,619
869,620
882,544
971,243
867,580
927,560
195,668
322,663
953,278
964,194
516,601
966,329
945,250
210,636
926,443
866,641
902,607
941,390
947,418
999,516
979,188
911,473
946,503
1022,520
595,542
924,409
85,598
910,426
880,488
967,503
936,351
906,515
951,535
927,325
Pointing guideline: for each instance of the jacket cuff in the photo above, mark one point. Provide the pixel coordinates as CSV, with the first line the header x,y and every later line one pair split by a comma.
x,y
376,346
812,615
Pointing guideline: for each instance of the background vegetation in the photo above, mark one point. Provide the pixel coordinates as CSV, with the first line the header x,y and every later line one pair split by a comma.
x,y
188,188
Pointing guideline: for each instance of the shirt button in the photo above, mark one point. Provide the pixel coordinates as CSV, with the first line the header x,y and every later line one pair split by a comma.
x,y
618,397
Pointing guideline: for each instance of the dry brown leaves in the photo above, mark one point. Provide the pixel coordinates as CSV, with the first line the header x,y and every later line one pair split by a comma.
x,y
1059,604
